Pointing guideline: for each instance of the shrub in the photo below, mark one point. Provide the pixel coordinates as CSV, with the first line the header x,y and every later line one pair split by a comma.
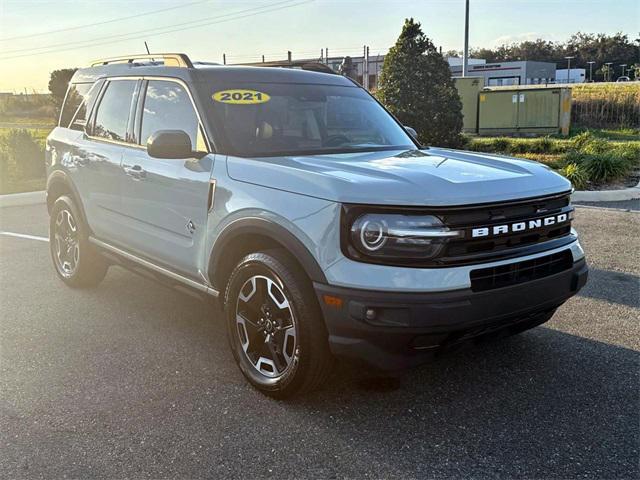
x,y
541,145
579,141
596,146
605,167
576,175
416,86
24,151
629,151
4,171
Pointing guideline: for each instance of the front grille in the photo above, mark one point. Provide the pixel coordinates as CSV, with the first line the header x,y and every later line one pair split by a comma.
x,y
469,250
520,272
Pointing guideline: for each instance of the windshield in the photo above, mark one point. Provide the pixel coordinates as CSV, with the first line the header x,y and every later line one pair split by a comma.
x,y
267,119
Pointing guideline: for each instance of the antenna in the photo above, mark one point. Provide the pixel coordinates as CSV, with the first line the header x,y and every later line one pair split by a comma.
x,y
147,47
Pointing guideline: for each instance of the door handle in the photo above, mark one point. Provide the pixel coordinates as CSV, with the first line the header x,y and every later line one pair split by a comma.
x,y
136,172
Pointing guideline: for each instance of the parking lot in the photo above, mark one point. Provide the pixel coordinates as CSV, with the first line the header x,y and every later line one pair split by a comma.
x,y
135,380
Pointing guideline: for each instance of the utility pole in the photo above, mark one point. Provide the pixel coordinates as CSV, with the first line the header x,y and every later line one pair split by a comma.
x,y
365,69
591,71
465,58
568,67
326,54
368,86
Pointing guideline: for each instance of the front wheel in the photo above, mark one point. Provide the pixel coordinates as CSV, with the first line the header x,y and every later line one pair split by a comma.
x,y
275,327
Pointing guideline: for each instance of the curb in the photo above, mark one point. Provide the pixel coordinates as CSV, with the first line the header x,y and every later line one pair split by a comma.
x,y
606,195
22,199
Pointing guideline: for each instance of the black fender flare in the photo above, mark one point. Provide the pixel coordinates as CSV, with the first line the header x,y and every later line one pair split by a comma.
x,y
60,178
271,230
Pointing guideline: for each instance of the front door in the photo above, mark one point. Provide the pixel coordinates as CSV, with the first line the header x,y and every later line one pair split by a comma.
x,y
166,201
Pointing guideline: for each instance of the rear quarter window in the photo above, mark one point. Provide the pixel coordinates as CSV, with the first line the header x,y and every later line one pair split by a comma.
x,y
75,97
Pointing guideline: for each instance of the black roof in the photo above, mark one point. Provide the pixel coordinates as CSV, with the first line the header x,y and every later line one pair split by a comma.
x,y
203,72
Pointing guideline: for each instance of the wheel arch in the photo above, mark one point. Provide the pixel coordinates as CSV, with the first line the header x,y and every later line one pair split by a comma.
x,y
248,235
58,184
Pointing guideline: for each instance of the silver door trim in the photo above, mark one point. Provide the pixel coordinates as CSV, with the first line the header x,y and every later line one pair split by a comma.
x,y
152,266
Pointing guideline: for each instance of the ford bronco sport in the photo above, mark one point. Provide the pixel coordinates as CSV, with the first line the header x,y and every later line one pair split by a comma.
x,y
321,224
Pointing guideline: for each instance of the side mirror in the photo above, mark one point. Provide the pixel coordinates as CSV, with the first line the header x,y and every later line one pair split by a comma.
x,y
170,144
412,132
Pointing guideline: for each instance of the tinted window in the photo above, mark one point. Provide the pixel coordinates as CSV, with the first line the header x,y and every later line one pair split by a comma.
x,y
167,106
113,112
80,118
297,119
75,95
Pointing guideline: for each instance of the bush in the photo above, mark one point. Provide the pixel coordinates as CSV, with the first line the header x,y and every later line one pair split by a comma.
x,y
4,171
416,86
579,141
605,167
24,152
576,175
541,145
596,146
629,151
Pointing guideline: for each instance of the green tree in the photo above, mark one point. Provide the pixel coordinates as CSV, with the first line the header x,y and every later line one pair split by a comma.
x,y
416,86
58,83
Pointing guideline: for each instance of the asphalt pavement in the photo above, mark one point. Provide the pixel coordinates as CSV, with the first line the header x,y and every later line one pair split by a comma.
x,y
134,380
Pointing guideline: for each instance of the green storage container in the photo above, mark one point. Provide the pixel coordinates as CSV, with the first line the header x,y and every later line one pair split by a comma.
x,y
524,110
468,88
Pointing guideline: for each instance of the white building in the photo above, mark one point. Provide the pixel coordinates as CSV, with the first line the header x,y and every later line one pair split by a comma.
x,y
576,75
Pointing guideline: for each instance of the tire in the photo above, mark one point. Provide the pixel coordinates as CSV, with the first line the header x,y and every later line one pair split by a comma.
x,y
275,327
75,260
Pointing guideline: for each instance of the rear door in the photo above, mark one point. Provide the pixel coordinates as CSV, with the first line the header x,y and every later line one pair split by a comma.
x,y
166,201
98,155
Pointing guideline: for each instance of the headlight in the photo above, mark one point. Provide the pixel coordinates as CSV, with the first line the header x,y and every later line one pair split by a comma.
x,y
399,236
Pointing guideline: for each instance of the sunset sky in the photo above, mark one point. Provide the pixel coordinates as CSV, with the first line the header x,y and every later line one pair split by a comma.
x,y
39,36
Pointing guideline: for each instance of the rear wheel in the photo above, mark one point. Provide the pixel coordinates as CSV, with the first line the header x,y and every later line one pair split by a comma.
x,y
275,327
75,260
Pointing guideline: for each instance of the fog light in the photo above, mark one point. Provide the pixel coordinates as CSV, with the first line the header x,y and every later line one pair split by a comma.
x,y
370,314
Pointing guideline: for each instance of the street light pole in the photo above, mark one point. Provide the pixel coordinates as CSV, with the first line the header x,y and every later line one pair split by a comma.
x,y
568,67
623,65
591,71
465,57
608,64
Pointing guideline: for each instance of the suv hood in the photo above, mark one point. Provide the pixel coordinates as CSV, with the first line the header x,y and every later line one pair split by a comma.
x,y
430,177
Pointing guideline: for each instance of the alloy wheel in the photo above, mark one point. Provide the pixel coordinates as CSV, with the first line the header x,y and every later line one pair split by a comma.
x,y
266,326
66,247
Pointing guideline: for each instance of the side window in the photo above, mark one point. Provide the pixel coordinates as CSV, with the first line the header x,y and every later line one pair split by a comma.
x,y
113,111
167,106
79,121
75,96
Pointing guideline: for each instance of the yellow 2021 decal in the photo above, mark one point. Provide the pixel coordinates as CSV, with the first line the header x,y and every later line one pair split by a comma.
x,y
241,97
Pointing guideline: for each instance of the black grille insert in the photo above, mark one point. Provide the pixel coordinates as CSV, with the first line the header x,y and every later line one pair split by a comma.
x,y
514,273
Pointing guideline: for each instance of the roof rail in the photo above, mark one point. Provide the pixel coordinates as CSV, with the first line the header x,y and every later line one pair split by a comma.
x,y
169,59
313,66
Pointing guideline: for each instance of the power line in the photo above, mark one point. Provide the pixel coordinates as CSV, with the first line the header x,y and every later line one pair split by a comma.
x,y
162,31
113,20
52,47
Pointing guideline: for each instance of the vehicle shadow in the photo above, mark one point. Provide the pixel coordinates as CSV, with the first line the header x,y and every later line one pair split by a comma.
x,y
544,404
618,287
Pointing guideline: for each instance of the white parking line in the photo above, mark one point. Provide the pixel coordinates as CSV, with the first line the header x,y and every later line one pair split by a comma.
x,y
23,235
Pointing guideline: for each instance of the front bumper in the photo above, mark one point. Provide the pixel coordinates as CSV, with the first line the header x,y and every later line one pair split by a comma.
x,y
411,328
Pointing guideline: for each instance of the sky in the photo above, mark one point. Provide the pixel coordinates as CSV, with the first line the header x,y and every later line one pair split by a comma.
x,y
38,36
